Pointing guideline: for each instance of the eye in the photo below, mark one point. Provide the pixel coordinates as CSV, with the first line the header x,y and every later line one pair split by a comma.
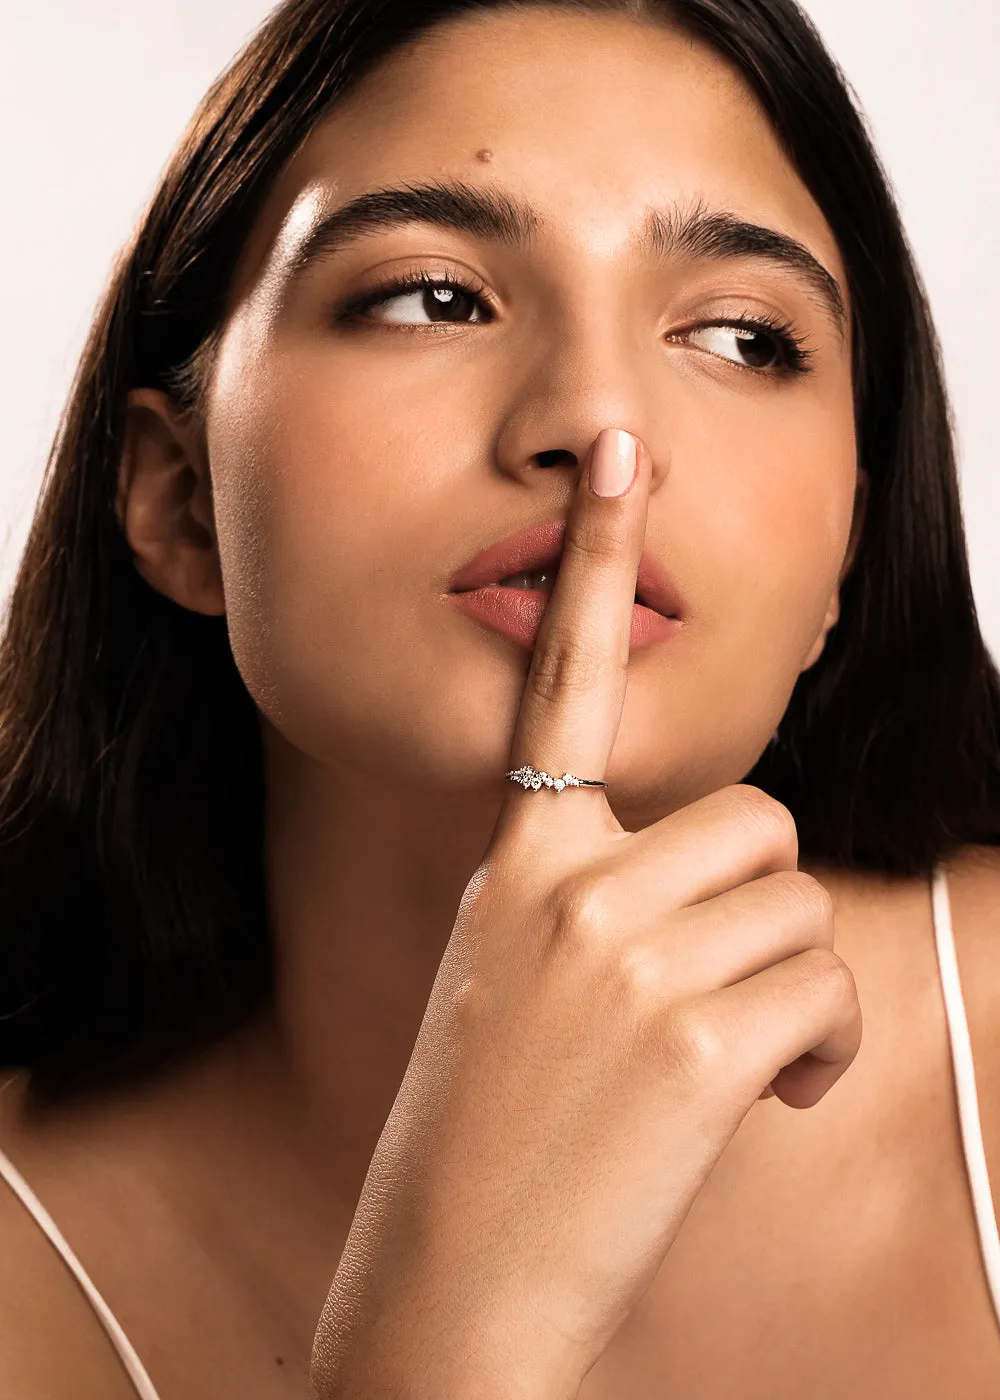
x,y
739,343
751,344
421,300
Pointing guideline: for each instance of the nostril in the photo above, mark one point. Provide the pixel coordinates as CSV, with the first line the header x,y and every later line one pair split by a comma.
x,y
555,457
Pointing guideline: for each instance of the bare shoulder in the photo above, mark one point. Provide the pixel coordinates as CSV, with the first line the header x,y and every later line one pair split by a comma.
x,y
51,1343
974,896
885,931
974,889
893,901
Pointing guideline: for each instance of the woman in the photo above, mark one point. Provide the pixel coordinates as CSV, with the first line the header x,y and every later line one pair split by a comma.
x,y
622,284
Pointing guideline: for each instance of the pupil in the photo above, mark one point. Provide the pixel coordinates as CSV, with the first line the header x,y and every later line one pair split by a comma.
x,y
758,350
443,303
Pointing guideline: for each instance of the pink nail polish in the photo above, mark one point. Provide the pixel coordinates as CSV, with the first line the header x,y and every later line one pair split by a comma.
x,y
612,467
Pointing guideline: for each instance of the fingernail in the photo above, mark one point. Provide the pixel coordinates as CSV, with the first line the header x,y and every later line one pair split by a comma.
x,y
612,467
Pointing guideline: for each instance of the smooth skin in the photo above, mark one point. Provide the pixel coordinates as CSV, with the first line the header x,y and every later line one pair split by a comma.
x,y
699,950
629,969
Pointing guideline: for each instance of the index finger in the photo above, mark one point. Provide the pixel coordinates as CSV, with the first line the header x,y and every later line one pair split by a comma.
x,y
575,689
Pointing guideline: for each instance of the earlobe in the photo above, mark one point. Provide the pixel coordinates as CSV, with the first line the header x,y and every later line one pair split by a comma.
x,y
164,504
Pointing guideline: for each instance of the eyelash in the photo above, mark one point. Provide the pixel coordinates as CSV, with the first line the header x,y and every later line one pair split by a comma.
x,y
796,356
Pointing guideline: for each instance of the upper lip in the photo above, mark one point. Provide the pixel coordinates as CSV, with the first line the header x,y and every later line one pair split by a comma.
x,y
542,544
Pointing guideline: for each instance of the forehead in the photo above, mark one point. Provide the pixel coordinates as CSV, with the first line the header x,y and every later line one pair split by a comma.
x,y
591,119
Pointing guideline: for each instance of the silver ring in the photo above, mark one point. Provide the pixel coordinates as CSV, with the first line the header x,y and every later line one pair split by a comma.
x,y
536,778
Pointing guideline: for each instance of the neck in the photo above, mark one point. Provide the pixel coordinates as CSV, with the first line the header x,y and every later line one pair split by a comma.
x,y
364,881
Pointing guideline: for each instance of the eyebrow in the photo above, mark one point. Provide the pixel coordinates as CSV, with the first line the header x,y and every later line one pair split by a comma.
x,y
490,214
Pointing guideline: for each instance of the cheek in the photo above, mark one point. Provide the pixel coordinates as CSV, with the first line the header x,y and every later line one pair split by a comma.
x,y
781,485
332,506
756,516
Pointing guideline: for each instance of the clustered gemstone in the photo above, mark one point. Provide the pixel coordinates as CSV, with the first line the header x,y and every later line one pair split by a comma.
x,y
534,778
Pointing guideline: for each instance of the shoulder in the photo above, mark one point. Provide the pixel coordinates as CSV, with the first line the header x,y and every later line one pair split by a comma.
x,y
974,896
974,891
51,1342
885,931
888,904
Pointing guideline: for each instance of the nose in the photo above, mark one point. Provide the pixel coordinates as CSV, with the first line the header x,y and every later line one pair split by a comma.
x,y
556,457
575,381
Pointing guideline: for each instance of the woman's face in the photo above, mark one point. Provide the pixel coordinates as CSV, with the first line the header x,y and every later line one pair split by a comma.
x,y
360,456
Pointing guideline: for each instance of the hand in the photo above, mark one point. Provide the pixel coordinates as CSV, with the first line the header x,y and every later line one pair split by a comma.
x,y
609,1007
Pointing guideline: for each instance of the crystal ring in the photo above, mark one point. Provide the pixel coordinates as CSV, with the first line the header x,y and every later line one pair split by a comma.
x,y
536,778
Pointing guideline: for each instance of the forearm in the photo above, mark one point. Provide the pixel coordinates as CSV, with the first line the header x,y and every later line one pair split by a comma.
x,y
422,1348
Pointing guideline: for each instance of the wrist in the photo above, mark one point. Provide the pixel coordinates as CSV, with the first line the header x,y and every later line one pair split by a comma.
x,y
456,1360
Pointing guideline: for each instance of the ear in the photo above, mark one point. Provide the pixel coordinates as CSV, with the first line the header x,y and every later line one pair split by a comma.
x,y
164,503
857,525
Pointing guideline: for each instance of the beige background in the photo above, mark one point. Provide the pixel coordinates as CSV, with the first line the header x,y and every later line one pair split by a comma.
x,y
93,97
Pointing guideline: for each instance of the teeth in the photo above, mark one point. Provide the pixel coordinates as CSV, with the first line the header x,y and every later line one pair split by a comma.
x,y
531,578
541,579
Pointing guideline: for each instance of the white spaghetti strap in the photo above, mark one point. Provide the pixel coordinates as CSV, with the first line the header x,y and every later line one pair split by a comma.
x,y
136,1371
965,1085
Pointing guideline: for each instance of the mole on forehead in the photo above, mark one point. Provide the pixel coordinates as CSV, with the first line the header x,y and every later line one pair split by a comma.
x,y
484,154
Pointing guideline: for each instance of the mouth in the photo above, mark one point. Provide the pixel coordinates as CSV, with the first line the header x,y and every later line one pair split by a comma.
x,y
542,580
528,561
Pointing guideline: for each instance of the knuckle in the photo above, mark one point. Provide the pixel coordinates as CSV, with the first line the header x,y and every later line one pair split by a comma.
x,y
592,540
641,977
695,1041
567,664
804,897
767,818
829,975
584,914
587,932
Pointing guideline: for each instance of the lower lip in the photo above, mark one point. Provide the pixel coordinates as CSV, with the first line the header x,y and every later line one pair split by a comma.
x,y
517,613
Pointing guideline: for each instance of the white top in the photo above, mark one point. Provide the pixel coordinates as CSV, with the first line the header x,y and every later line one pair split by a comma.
x,y
968,1113
965,1087
137,1373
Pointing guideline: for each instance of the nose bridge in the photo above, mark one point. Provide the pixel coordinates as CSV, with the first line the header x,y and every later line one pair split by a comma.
x,y
588,369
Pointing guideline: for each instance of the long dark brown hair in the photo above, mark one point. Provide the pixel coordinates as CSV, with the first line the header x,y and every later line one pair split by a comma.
x,y
133,924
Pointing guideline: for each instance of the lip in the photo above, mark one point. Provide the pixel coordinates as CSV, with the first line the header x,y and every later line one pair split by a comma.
x,y
542,544
517,612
